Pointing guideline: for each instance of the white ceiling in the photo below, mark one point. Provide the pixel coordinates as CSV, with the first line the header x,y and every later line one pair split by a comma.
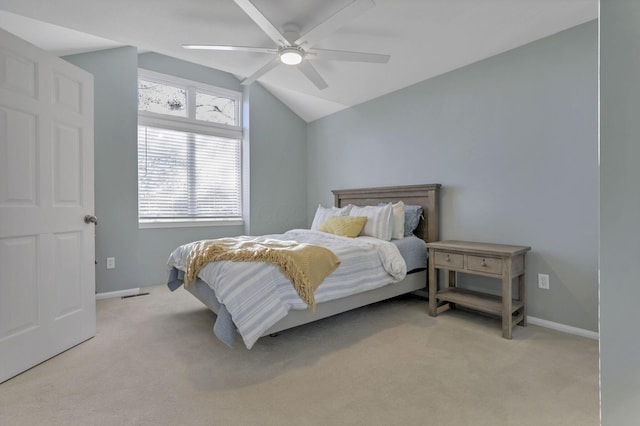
x,y
425,38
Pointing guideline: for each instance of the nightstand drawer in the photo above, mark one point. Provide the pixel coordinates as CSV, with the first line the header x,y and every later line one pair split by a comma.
x,y
449,260
489,265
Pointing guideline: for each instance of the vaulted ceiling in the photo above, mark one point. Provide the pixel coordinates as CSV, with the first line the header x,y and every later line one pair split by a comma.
x,y
424,38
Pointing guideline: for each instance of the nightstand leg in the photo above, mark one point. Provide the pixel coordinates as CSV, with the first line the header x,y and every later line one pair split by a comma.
x,y
433,285
522,294
452,282
507,319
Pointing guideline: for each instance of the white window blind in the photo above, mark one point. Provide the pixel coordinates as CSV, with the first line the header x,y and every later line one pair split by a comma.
x,y
184,175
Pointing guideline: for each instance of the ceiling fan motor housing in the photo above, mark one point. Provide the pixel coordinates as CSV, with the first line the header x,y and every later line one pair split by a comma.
x,y
291,55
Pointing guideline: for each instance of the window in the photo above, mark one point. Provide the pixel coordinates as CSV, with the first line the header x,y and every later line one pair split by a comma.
x,y
189,152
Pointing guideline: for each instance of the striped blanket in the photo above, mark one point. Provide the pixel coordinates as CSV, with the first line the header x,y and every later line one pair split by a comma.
x,y
305,265
257,294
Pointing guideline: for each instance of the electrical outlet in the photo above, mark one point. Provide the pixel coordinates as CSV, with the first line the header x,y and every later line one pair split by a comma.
x,y
543,281
111,263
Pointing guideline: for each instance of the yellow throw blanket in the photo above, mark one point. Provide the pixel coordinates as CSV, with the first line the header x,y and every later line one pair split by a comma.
x,y
305,265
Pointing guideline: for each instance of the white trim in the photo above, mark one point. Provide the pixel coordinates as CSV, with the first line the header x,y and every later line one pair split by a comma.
x,y
119,293
564,328
191,125
181,124
186,223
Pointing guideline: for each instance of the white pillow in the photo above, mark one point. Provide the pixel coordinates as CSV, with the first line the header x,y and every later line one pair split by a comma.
x,y
398,221
379,220
324,213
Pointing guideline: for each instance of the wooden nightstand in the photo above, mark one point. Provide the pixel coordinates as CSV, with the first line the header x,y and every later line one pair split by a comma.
x,y
504,262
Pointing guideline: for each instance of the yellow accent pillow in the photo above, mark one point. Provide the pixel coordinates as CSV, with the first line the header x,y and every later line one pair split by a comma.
x,y
344,226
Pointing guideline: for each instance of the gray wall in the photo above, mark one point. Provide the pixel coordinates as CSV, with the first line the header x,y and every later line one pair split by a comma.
x,y
513,140
278,165
141,254
619,211
115,86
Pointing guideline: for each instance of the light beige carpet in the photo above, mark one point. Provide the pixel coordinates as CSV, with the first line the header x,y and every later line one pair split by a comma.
x,y
155,361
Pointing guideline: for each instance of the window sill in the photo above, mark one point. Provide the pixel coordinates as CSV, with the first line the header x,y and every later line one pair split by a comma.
x,y
187,223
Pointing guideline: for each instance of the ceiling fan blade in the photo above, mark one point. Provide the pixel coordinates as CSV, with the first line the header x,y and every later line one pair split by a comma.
x,y
337,20
229,48
343,55
313,75
266,26
262,71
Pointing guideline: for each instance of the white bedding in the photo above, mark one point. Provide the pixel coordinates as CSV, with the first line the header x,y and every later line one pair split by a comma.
x,y
257,295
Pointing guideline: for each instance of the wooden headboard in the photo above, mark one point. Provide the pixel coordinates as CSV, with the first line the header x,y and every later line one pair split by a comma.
x,y
427,196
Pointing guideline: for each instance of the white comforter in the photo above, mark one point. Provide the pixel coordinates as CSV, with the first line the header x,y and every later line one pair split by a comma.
x,y
257,295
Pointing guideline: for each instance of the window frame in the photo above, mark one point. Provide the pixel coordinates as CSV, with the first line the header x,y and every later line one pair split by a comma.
x,y
190,124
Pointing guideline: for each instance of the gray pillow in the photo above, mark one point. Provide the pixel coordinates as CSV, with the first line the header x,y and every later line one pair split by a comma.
x,y
412,215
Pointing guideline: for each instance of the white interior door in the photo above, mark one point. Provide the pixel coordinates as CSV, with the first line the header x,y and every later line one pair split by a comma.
x,y
47,272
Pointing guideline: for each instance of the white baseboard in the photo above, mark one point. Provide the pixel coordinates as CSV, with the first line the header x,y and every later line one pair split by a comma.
x,y
564,328
119,293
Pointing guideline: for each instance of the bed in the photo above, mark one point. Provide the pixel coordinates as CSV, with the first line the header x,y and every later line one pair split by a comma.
x,y
426,196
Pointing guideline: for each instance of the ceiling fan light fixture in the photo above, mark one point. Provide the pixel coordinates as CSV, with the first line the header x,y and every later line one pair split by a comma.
x,y
291,55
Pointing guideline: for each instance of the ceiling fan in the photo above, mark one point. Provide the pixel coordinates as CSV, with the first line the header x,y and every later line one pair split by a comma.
x,y
294,49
